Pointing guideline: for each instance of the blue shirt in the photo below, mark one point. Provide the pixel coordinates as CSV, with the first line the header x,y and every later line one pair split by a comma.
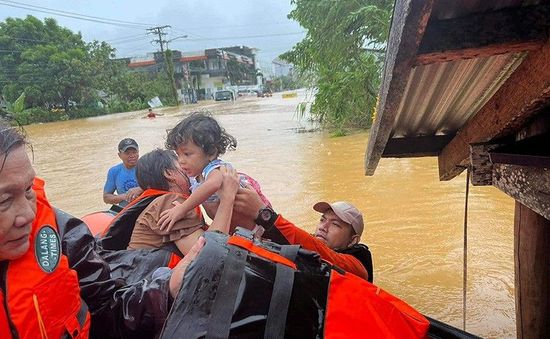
x,y
120,179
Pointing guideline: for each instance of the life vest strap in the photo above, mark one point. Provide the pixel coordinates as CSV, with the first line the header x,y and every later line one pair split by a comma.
x,y
226,296
280,297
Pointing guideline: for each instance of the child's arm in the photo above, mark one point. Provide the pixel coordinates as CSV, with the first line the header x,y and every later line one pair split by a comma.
x,y
210,186
227,192
222,220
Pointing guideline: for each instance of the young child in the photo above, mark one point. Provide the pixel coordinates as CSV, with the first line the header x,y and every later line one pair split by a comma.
x,y
198,141
160,170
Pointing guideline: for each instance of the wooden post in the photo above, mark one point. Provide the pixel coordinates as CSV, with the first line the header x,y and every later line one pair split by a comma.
x,y
532,279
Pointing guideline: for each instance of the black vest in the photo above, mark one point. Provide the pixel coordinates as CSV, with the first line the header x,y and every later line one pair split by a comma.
x,y
362,253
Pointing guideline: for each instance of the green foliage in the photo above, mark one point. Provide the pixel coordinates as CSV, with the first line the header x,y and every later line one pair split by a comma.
x,y
19,104
168,56
129,90
158,87
337,59
338,133
117,105
62,76
36,114
47,62
85,112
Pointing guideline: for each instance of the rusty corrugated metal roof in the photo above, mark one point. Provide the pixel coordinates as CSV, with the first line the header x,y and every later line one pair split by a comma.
x,y
432,88
439,98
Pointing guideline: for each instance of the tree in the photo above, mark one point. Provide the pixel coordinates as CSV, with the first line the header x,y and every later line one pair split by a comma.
x,y
336,56
49,63
168,56
55,68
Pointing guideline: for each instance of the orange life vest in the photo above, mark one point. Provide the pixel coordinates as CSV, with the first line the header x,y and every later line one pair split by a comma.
x,y
381,315
300,296
43,293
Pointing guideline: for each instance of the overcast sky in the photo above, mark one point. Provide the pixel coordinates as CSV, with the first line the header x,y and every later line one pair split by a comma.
x,y
262,24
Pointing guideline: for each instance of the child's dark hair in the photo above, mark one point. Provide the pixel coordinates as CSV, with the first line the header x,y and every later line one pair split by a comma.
x,y
203,130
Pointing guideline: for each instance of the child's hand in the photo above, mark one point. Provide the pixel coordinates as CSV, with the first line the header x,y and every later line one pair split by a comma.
x,y
169,217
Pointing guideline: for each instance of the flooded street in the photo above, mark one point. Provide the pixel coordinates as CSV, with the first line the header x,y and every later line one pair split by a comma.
x,y
414,223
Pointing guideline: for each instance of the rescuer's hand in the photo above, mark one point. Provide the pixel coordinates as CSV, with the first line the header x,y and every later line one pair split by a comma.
x,y
248,203
230,183
179,271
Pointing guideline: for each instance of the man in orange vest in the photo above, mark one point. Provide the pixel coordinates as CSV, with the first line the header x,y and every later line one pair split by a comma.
x,y
53,283
336,238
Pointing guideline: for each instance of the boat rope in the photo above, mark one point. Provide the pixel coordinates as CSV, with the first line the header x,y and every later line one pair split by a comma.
x,y
465,263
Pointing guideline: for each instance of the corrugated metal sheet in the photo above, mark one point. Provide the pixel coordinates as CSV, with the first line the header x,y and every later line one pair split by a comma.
x,y
440,98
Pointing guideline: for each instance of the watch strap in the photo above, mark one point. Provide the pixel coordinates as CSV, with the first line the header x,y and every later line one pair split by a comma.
x,y
266,222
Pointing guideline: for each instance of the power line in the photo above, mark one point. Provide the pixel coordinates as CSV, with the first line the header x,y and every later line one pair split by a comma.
x,y
128,24
131,38
134,47
116,40
127,41
78,14
248,36
73,15
247,25
159,30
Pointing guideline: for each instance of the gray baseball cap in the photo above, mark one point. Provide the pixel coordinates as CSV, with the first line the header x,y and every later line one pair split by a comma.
x,y
345,211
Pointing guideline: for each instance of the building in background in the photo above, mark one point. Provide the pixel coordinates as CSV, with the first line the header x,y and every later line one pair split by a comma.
x,y
200,74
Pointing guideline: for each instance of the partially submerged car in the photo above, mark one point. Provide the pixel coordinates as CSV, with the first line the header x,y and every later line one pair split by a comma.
x,y
224,95
246,92
263,94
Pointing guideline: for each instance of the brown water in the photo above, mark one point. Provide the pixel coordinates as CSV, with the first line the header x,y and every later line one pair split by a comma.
x,y
414,223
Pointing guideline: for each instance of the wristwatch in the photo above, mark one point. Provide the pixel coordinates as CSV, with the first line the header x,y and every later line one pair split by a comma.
x,y
266,217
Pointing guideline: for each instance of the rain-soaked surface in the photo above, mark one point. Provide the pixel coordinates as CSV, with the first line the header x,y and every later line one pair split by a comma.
x,y
414,223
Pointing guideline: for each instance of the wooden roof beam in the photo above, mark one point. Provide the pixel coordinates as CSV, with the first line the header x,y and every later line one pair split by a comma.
x,y
410,18
525,92
480,35
422,146
528,185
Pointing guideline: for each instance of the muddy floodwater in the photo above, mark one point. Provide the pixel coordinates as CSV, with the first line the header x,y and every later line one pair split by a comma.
x,y
414,223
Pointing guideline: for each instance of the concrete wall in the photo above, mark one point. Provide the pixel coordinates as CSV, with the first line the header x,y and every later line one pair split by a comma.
x,y
211,84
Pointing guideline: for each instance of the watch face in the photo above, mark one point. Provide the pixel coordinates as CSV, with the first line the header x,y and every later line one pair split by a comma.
x,y
266,215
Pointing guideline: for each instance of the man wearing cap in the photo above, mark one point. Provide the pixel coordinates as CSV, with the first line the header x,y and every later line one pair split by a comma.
x,y
340,228
336,238
122,177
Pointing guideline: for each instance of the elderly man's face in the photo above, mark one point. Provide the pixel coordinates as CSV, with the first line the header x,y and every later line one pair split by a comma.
x,y
334,232
17,203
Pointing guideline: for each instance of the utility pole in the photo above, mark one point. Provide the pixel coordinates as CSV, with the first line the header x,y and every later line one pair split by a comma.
x,y
167,64
159,30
